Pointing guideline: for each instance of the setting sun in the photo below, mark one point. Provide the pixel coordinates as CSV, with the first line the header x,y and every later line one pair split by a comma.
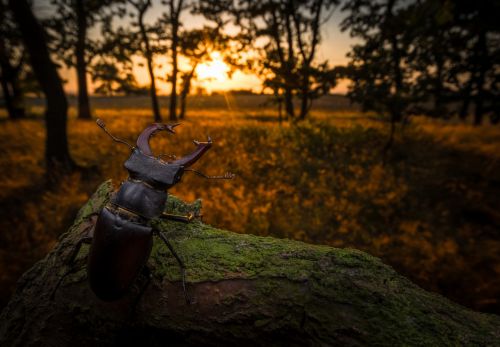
x,y
214,70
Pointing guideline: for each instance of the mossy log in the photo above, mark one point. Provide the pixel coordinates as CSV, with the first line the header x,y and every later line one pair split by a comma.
x,y
246,290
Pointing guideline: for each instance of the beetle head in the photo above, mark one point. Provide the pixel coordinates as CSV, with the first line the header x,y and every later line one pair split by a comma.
x,y
186,161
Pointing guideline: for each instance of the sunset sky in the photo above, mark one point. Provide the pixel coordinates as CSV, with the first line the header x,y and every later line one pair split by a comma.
x,y
213,76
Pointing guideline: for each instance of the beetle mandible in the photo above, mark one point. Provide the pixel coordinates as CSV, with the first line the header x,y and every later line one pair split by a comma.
x,y
122,238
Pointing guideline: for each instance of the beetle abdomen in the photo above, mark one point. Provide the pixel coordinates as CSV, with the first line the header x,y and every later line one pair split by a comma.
x,y
120,248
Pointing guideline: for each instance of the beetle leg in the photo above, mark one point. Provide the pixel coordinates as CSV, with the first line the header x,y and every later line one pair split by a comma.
x,y
178,218
226,176
181,264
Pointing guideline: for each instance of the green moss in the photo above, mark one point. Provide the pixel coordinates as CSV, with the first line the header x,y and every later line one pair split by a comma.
x,y
345,292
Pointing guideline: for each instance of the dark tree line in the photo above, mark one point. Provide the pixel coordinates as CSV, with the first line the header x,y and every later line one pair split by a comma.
x,y
35,42
433,57
70,40
25,38
142,6
286,62
13,67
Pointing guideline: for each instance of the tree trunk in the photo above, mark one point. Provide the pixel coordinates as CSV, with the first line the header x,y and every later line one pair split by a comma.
x,y
439,108
81,62
9,79
56,145
307,59
8,98
397,104
173,93
149,58
279,100
464,109
482,52
186,87
183,97
390,141
290,63
246,291
152,90
174,15
304,109
18,98
289,103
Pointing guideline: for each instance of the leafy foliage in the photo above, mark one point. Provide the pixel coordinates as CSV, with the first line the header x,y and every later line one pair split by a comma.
x,y
111,80
16,77
424,57
65,27
284,35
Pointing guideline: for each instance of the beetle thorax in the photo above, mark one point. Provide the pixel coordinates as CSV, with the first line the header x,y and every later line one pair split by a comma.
x,y
155,172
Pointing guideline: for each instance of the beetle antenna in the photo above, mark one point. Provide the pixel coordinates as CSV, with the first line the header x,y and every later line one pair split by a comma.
x,y
171,156
226,176
102,125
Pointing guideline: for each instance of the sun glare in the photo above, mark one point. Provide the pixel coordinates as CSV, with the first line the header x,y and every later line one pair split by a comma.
x,y
214,70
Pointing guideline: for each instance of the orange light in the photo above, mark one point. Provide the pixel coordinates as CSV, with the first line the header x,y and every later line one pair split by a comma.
x,y
214,70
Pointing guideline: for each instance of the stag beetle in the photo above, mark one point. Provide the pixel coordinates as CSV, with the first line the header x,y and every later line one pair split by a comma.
x,y
122,238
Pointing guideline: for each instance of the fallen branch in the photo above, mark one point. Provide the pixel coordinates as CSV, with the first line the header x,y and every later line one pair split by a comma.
x,y
246,290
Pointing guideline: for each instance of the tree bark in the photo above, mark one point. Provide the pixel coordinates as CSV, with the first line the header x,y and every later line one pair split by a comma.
x,y
56,144
245,290
81,62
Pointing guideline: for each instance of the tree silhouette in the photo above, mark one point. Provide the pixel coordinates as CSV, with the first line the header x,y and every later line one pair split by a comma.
x,y
171,20
34,38
112,71
197,45
12,63
286,61
424,57
479,59
147,50
432,51
277,62
71,41
381,79
112,78
315,80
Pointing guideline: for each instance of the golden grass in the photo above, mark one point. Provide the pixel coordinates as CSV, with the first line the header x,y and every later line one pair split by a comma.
x,y
430,211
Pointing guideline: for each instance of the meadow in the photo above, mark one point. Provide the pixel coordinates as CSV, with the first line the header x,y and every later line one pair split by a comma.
x,y
430,209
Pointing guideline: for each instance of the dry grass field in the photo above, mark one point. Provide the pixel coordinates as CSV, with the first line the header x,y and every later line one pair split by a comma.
x,y
431,211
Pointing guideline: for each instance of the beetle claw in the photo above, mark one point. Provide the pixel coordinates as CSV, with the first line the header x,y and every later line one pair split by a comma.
x,y
209,141
172,126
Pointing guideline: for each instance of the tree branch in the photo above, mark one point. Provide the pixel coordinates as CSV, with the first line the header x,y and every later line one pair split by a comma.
x,y
246,290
